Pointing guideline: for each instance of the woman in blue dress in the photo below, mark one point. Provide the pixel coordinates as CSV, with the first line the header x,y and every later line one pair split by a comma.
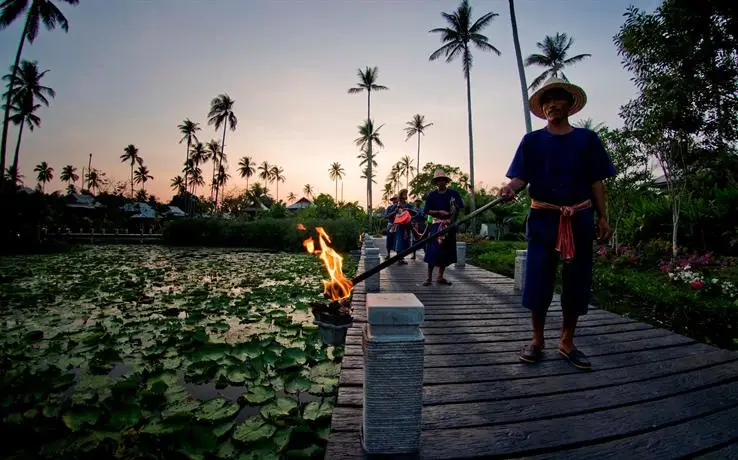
x,y
403,224
442,204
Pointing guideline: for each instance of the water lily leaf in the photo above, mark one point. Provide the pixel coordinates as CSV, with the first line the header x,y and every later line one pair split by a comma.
x,y
245,351
238,375
197,442
77,418
201,372
180,408
217,409
220,326
281,407
307,452
227,450
125,417
223,428
281,438
159,427
292,357
323,432
316,410
297,384
253,429
172,363
211,351
258,394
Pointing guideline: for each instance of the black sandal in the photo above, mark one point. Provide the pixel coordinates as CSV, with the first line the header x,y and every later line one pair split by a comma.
x,y
427,283
576,358
531,354
444,281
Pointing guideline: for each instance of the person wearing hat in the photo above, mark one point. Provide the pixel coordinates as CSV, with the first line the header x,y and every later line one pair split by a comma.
x,y
389,214
564,169
442,204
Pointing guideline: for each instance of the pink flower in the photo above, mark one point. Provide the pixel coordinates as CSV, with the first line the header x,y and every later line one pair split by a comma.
x,y
697,284
664,268
602,251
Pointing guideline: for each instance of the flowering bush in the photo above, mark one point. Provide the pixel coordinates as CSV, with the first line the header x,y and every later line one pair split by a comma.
x,y
696,280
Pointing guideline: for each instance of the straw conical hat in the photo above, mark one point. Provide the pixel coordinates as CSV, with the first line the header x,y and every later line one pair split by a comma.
x,y
580,97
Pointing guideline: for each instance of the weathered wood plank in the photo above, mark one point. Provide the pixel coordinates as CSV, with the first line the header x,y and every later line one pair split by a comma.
x,y
576,381
356,361
729,451
679,441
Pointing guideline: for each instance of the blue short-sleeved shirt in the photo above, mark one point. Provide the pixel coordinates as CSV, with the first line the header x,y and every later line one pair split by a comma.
x,y
561,168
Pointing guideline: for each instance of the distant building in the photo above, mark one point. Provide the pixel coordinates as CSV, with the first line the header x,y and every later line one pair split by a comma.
x,y
174,211
140,211
302,203
81,201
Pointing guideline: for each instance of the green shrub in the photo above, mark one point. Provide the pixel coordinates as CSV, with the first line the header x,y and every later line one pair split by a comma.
x,y
268,233
495,256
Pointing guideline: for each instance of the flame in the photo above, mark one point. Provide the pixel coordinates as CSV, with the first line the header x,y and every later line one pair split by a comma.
x,y
338,287
301,227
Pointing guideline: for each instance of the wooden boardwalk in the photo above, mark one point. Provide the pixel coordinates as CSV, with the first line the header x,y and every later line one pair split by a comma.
x,y
651,394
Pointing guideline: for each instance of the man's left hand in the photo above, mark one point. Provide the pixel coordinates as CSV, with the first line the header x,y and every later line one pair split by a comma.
x,y
604,232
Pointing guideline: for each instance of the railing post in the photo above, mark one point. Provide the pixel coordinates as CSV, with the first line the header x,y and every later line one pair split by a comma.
x,y
521,259
371,260
393,374
460,254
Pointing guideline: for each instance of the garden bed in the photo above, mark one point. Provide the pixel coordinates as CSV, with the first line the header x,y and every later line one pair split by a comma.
x,y
123,351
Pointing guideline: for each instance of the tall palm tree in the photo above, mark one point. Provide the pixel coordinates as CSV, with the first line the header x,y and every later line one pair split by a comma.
x,y
308,190
215,154
521,68
27,89
188,129
196,179
142,175
368,83
199,154
291,197
387,192
589,124
366,174
416,127
69,174
36,12
405,168
277,175
23,113
130,154
368,135
246,168
393,178
553,57
220,179
336,173
221,114
94,180
45,174
457,39
265,172
177,184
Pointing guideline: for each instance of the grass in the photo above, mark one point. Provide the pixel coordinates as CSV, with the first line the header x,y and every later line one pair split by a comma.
x,y
153,352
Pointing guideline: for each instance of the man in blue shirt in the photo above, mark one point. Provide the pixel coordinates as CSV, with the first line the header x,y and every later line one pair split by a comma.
x,y
389,214
563,168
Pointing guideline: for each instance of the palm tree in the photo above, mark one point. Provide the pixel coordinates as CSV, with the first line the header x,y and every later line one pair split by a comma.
x,y
553,57
177,184
199,154
368,83
196,179
406,168
220,179
308,190
246,168
188,129
36,12
387,192
393,178
221,113
142,175
131,155
336,173
368,135
27,89
69,174
94,179
521,68
589,124
215,154
365,174
291,197
277,175
416,127
45,174
457,40
265,172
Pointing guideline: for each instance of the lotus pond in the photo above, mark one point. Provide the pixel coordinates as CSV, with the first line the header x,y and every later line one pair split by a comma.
x,y
155,352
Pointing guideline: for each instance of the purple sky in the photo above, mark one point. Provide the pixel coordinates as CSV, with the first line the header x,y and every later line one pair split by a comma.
x,y
128,72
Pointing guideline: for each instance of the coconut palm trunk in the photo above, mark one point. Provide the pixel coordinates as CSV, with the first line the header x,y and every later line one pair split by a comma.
x,y
9,97
472,204
521,67
187,161
417,165
14,167
220,161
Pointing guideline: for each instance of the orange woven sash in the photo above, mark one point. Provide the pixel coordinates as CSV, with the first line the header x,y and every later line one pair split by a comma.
x,y
565,240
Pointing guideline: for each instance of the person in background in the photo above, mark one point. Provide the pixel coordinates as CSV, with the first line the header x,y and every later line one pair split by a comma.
x,y
403,224
418,224
442,204
389,214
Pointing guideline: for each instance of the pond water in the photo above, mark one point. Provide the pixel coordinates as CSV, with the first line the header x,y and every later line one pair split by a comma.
x,y
117,350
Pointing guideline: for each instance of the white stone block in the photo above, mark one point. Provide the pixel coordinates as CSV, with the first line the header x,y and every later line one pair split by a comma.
x,y
521,260
393,374
371,260
460,254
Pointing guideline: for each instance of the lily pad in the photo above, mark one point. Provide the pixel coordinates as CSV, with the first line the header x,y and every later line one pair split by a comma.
x,y
258,394
76,419
216,409
316,410
280,407
253,429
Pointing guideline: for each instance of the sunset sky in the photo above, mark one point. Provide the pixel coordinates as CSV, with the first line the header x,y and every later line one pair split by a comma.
x,y
129,71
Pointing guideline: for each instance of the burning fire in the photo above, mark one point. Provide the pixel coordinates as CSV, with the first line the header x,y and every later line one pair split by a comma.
x,y
338,287
301,227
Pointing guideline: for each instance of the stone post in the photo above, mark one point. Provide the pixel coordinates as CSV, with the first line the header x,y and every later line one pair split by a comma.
x,y
368,243
460,254
393,374
371,260
521,259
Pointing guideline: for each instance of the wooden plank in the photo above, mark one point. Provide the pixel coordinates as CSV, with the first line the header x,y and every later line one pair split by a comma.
x,y
356,361
539,436
678,441
590,341
547,367
487,391
728,451
522,410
